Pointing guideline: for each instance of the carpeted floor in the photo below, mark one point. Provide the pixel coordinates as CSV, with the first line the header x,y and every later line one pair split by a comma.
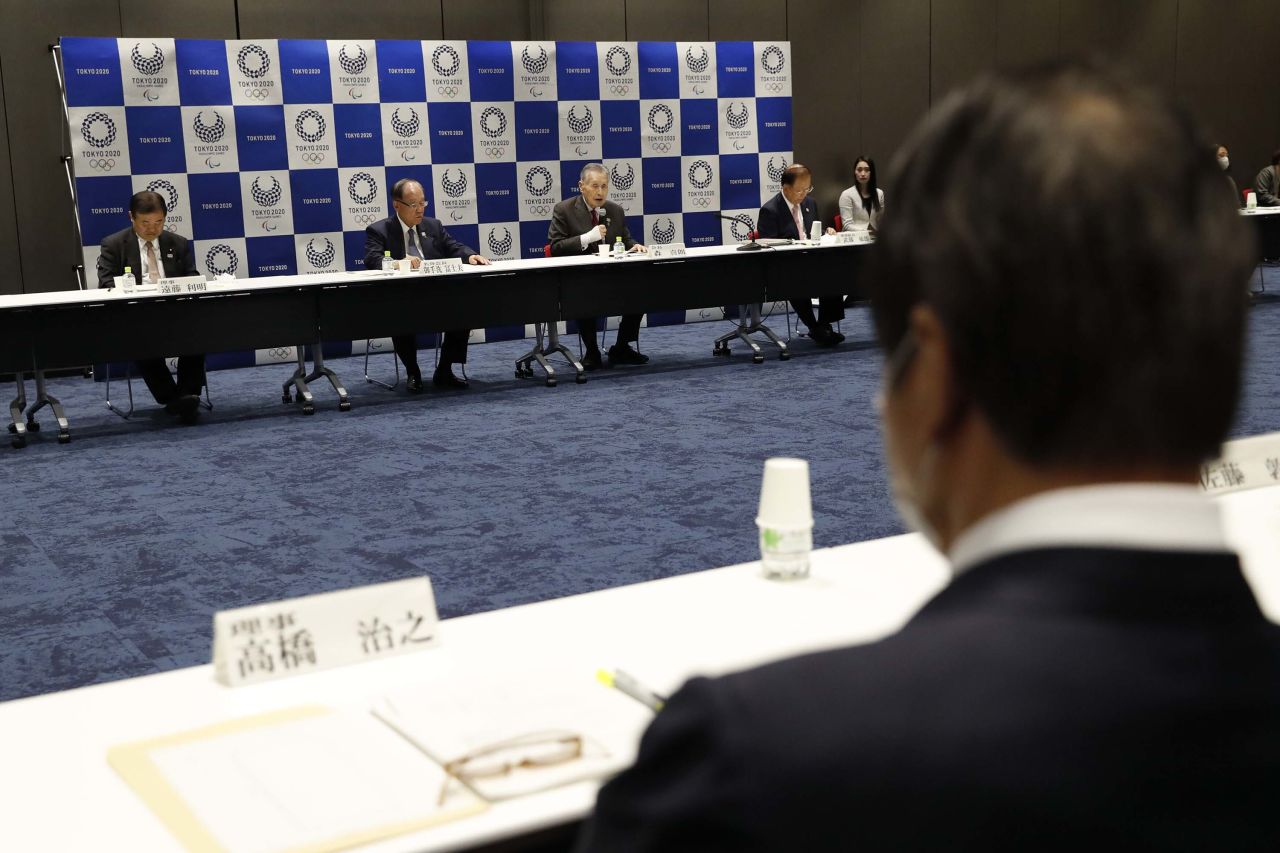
x,y
119,547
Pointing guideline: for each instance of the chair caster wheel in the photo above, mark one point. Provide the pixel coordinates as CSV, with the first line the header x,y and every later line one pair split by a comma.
x,y
308,409
286,398
720,351
581,378
18,442
784,356
13,429
551,382
757,359
519,373
344,406
64,437
33,426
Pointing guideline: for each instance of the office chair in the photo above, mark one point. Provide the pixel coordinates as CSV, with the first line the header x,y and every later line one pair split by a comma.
x,y
749,322
206,403
539,353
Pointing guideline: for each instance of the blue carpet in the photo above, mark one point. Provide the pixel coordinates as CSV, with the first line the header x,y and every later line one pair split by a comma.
x,y
119,547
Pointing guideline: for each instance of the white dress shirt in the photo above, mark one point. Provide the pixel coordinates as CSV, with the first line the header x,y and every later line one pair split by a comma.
x,y
1142,516
405,230
142,253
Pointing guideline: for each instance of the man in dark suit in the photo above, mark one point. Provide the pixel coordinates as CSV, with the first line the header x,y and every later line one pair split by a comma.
x,y
790,213
1098,671
409,234
152,253
581,224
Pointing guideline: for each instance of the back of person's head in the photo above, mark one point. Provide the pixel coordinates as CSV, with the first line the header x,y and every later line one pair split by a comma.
x,y
1094,306
1275,157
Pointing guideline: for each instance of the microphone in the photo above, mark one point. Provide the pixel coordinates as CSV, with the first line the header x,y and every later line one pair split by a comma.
x,y
749,246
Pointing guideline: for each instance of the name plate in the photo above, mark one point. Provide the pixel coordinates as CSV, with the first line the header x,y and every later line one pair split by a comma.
x,y
442,266
1246,463
184,284
667,250
263,642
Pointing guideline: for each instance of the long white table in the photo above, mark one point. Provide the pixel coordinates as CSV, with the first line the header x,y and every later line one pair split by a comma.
x,y
57,792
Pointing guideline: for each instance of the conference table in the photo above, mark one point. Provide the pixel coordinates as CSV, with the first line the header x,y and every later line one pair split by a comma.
x,y
58,793
47,331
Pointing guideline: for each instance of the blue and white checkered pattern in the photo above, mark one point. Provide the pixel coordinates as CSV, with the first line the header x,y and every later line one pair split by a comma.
x,y
273,155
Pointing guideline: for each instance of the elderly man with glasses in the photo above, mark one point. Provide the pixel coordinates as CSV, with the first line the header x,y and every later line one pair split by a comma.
x,y
790,214
408,233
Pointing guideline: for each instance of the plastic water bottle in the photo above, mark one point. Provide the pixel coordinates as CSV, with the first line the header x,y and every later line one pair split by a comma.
x,y
129,282
388,264
618,249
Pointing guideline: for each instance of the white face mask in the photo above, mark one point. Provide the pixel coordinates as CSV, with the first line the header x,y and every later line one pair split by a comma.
x,y
906,490
1224,162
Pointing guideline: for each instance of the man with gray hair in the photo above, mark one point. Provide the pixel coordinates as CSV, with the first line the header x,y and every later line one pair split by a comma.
x,y
578,225
1058,366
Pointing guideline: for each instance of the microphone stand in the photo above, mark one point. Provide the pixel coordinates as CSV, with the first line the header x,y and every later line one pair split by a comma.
x,y
751,245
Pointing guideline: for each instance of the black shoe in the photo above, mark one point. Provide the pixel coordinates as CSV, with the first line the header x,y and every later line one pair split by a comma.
x,y
820,336
188,408
414,384
444,378
624,354
592,361
835,336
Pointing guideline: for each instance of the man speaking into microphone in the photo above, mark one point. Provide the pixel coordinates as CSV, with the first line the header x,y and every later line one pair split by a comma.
x,y
578,225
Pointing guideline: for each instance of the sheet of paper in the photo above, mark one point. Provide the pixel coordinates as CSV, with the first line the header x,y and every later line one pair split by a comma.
x,y
449,724
310,779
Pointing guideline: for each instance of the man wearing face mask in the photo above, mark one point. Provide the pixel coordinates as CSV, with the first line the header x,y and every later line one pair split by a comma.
x,y
581,224
1224,161
1058,367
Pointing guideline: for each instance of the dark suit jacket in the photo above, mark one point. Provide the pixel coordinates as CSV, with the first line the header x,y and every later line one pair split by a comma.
x,y
433,239
571,219
775,218
120,250
1051,699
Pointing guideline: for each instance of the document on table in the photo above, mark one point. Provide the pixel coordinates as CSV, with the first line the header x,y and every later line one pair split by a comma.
x,y
311,779
450,725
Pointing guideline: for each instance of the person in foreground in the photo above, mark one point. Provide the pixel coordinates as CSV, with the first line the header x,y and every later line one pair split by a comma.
x,y
409,234
1058,367
578,225
790,214
152,253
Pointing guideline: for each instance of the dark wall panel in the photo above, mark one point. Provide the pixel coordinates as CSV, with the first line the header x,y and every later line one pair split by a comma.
x,y
419,19
584,20
895,74
10,281
33,110
207,19
1140,34
667,20
1026,32
826,93
1228,76
498,20
748,20
962,43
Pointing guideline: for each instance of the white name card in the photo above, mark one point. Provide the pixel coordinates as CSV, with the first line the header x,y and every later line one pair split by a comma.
x,y
1246,463
443,266
667,250
184,284
268,641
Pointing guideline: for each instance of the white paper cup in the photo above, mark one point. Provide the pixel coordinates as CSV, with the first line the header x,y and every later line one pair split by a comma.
x,y
1251,201
785,519
604,249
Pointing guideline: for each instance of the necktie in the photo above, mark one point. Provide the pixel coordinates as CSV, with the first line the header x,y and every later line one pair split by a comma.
x,y
795,214
411,245
595,218
153,273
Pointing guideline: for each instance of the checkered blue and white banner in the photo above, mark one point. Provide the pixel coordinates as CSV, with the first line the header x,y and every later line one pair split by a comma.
x,y
274,154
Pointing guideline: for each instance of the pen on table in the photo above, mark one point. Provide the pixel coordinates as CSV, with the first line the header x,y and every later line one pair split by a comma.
x,y
633,688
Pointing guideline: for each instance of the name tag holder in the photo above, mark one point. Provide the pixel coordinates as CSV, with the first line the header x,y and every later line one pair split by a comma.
x,y
667,250
264,642
442,266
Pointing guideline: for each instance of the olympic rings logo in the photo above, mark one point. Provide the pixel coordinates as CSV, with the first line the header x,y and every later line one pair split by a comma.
x,y
404,128
774,86
702,202
312,157
353,188
494,153
698,65
489,113
616,52
660,147
697,167
266,198
580,125
149,65
300,125
532,65
454,61
93,138
208,133
103,165
256,94
771,55
282,353
619,89
366,218
661,118
353,64
448,91
214,263
253,71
